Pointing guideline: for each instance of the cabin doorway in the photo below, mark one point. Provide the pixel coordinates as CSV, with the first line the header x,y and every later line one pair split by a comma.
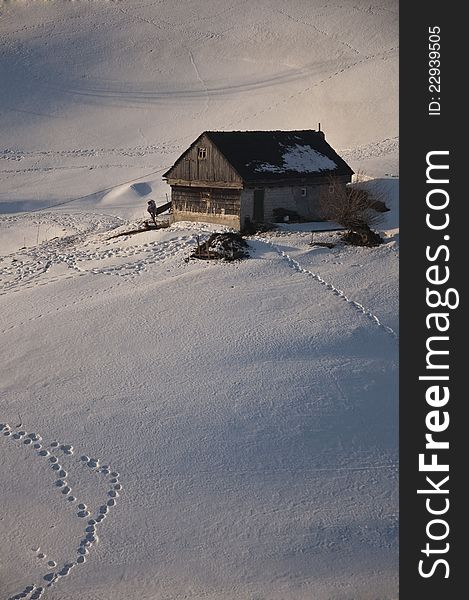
x,y
258,212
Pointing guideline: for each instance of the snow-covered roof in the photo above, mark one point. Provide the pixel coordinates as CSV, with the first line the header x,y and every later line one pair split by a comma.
x,y
300,159
275,155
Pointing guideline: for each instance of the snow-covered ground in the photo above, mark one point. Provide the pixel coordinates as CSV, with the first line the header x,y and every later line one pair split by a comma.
x,y
183,429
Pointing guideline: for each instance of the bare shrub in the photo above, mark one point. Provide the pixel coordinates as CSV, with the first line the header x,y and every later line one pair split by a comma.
x,y
356,209
351,206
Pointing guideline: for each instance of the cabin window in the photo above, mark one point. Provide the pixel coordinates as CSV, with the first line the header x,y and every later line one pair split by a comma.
x,y
304,192
331,188
201,153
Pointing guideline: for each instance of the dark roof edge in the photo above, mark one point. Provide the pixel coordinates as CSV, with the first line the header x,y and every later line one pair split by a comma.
x,y
295,180
262,131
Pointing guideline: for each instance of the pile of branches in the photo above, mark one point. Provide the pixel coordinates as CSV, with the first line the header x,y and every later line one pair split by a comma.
x,y
362,236
226,246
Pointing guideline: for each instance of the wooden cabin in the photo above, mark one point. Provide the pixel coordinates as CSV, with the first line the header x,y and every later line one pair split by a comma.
x,y
236,178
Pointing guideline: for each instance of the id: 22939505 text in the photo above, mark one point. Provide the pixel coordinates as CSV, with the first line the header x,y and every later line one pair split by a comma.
x,y
434,71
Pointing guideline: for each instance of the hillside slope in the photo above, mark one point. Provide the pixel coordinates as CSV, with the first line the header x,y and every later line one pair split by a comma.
x,y
173,428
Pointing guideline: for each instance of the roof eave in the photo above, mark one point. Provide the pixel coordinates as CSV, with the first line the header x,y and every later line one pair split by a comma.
x,y
300,177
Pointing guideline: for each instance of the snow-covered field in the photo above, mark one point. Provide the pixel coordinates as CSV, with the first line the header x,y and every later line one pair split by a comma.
x,y
176,429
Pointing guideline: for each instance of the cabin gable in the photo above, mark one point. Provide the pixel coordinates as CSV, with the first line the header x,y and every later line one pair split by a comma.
x,y
203,165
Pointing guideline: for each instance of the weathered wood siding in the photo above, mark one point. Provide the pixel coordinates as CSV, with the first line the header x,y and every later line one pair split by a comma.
x,y
214,168
212,205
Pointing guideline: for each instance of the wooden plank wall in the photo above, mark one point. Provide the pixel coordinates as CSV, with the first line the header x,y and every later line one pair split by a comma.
x,y
206,200
213,168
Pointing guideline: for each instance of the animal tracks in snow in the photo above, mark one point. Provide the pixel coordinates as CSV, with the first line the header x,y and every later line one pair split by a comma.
x,y
54,456
83,263
81,255
294,264
17,155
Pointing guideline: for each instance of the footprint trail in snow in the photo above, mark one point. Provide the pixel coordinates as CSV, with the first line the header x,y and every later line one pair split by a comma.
x,y
294,264
53,455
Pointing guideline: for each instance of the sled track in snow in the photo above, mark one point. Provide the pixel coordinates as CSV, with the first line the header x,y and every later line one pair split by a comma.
x,y
287,99
53,455
294,264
